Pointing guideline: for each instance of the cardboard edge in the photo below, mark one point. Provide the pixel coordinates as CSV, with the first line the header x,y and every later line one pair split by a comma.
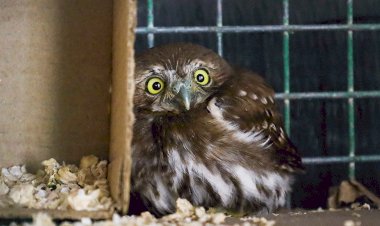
x,y
122,117
22,213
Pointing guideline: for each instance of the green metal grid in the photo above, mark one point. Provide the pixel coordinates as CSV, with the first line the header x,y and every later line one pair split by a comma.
x,y
150,30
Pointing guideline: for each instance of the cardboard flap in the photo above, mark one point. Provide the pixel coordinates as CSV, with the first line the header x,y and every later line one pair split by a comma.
x,y
122,101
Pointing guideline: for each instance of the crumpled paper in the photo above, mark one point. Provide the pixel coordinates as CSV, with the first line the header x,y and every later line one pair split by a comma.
x,y
352,194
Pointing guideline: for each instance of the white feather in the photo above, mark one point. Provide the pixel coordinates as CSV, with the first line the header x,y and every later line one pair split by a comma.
x,y
199,193
225,190
242,93
178,166
248,179
164,200
199,170
254,96
266,143
235,132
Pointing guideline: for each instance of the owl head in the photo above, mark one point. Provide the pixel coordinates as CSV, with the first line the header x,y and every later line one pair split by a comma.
x,y
176,78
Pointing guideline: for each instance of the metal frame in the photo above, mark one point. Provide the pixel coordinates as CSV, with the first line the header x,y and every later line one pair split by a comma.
x,y
150,30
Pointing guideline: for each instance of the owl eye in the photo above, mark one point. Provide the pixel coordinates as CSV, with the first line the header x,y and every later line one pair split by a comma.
x,y
154,85
201,77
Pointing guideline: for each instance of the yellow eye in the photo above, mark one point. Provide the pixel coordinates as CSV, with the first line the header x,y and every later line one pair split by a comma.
x,y
201,77
155,85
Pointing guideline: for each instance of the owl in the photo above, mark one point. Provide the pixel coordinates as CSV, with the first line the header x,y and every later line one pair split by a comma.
x,y
207,132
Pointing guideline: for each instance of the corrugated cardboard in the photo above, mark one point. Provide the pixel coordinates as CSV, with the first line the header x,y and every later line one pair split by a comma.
x,y
122,101
56,64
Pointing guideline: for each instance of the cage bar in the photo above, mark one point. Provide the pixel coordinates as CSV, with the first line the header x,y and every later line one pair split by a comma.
x,y
150,19
328,95
350,84
340,159
258,28
219,23
286,65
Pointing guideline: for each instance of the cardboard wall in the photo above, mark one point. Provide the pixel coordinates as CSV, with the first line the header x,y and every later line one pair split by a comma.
x,y
55,76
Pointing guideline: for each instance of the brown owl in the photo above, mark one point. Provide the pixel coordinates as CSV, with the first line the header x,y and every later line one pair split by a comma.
x,y
207,132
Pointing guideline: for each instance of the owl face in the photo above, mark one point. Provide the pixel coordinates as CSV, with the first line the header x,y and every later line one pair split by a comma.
x,y
177,78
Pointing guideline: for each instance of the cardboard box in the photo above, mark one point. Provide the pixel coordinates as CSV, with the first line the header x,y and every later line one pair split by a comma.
x,y
66,87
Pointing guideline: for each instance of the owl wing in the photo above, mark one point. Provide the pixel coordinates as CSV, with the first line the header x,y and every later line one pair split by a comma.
x,y
245,103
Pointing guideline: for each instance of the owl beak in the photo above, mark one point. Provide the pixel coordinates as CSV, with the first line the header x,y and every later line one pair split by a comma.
x,y
185,96
182,89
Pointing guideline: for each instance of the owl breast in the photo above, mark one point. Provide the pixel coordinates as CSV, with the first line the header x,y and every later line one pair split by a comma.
x,y
206,159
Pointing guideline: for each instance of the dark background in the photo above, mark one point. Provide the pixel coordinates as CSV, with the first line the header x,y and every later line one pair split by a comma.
x,y
318,62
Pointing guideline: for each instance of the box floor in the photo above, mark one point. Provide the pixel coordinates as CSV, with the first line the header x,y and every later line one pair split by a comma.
x,y
301,218
323,218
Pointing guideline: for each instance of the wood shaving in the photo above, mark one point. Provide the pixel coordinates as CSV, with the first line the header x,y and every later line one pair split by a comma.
x,y
358,206
258,221
186,214
352,223
57,186
319,210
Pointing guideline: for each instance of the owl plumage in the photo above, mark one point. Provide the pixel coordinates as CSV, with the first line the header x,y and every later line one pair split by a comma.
x,y
207,132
